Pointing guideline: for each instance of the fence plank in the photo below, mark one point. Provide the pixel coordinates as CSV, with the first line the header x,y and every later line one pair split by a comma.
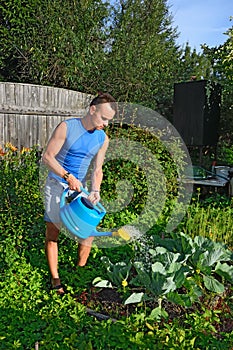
x,y
29,113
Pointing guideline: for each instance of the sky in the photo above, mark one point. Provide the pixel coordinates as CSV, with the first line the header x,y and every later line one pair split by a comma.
x,y
201,21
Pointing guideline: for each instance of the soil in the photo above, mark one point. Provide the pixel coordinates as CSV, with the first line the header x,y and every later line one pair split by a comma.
x,y
108,303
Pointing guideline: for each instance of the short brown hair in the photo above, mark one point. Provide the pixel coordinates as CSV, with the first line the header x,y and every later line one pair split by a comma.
x,y
104,97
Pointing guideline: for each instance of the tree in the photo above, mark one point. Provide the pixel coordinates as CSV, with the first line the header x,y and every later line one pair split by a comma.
x,y
52,43
130,52
192,64
141,58
220,59
126,47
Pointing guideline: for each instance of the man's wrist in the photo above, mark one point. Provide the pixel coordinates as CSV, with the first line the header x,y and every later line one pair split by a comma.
x,y
94,190
66,176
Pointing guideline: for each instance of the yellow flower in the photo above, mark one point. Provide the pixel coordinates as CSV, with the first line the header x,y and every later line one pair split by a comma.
x,y
25,149
11,147
124,283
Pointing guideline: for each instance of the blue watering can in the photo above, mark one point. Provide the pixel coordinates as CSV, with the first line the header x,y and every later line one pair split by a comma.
x,y
81,217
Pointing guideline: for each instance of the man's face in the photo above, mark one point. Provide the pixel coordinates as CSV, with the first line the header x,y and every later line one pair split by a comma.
x,y
101,115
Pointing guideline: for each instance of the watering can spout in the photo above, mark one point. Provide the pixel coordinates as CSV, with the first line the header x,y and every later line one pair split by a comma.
x,y
121,233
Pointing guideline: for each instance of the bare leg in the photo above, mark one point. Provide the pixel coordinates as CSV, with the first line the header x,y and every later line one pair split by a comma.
x,y
51,250
84,249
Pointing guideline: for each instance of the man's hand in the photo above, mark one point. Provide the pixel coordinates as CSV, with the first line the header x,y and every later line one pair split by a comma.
x,y
94,197
74,183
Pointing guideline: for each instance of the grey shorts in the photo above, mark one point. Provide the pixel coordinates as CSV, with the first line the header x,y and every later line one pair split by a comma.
x,y
52,194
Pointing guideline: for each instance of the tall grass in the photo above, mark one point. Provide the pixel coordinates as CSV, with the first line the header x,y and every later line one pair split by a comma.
x,y
214,221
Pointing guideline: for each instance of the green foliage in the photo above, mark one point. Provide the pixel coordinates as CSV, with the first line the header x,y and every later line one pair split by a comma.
x,y
143,54
52,43
92,45
116,273
210,218
225,152
222,72
196,265
149,171
20,200
125,47
31,314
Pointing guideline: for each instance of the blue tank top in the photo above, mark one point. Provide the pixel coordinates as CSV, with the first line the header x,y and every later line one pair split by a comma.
x,y
79,149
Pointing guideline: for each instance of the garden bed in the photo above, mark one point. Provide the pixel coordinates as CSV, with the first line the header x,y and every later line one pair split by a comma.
x,y
108,303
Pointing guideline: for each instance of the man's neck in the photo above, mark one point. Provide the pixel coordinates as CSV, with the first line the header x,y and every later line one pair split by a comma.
x,y
86,123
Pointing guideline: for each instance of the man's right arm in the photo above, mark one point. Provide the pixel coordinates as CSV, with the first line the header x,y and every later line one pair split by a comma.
x,y
53,147
49,157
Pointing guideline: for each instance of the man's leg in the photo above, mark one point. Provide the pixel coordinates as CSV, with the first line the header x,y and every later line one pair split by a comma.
x,y
51,250
84,249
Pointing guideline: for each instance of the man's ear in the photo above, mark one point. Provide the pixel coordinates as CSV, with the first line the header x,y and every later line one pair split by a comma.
x,y
92,109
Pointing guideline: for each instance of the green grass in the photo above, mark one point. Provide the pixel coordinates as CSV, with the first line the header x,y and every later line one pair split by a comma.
x,y
210,218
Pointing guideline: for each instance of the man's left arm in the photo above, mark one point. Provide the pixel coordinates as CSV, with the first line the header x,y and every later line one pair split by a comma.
x,y
97,175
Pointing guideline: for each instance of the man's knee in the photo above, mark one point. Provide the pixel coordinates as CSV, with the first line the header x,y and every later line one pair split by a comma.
x,y
86,242
52,232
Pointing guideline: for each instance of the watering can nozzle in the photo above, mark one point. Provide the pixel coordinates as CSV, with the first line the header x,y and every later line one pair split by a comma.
x,y
122,234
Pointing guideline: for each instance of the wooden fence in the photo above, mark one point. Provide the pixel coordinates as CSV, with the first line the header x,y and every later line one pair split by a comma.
x,y
29,113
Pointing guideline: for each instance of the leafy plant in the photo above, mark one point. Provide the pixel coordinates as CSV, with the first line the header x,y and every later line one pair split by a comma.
x,y
175,263
117,273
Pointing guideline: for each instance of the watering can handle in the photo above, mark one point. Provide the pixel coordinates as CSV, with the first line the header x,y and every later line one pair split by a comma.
x,y
98,205
63,196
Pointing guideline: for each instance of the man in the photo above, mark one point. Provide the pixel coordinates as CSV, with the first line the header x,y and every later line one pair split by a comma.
x,y
73,145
